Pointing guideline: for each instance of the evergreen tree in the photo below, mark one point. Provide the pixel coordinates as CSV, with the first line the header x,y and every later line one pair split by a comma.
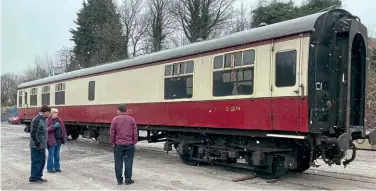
x,y
273,12
278,11
314,6
98,37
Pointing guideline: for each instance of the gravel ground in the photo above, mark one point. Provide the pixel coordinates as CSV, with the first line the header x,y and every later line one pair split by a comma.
x,y
87,165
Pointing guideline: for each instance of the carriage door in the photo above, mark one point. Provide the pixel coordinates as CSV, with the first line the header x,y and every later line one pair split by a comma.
x,y
285,85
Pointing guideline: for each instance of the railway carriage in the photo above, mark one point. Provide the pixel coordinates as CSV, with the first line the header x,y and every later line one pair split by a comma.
x,y
272,98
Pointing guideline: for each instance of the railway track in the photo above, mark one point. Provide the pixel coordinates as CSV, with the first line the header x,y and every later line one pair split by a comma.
x,y
364,145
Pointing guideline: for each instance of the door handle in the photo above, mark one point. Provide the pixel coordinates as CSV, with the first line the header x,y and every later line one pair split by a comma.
x,y
301,91
301,88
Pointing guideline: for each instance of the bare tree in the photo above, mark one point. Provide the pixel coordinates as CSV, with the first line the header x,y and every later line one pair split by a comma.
x,y
49,64
65,60
139,32
161,24
199,18
134,22
240,19
177,39
39,70
9,82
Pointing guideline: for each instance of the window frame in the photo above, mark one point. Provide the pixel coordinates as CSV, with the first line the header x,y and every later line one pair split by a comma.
x,y
25,96
233,67
46,90
177,75
91,97
34,96
59,88
20,98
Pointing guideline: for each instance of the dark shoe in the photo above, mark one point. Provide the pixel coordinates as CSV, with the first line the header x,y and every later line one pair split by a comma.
x,y
36,181
58,170
120,183
43,180
127,182
51,171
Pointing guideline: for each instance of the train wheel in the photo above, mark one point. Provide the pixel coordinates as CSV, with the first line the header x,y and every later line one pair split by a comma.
x,y
27,129
303,161
75,135
302,166
278,169
186,159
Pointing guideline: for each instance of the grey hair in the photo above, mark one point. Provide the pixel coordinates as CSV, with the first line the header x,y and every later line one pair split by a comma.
x,y
54,110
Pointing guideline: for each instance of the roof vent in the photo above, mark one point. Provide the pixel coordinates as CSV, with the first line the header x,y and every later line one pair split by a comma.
x,y
262,24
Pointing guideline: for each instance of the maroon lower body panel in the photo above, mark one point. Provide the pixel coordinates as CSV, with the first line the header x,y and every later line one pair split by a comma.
x,y
289,114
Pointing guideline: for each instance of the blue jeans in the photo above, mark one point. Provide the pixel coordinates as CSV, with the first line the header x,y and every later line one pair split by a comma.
x,y
53,162
38,160
123,154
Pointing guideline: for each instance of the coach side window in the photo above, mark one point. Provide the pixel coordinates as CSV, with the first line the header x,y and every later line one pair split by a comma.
x,y
91,91
233,73
46,95
60,94
20,98
285,69
33,97
178,82
25,96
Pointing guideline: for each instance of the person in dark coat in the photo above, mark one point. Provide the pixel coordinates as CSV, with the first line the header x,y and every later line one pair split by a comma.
x,y
123,137
38,144
56,136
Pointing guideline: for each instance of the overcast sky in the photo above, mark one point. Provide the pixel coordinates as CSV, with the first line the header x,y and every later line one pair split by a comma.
x,y
30,27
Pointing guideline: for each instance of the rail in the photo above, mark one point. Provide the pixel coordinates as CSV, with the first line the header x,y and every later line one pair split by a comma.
x,y
363,144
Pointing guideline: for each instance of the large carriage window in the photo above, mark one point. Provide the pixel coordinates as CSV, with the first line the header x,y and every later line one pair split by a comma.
x,y
46,95
20,98
91,91
233,73
178,82
285,69
33,97
60,94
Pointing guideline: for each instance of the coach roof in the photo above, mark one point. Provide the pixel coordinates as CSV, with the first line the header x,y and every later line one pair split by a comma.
x,y
289,27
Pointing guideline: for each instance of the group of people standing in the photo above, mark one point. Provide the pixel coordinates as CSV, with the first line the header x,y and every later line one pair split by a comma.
x,y
48,132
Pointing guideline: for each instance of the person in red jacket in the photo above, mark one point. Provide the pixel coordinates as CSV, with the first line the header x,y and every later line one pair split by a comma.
x,y
56,136
123,137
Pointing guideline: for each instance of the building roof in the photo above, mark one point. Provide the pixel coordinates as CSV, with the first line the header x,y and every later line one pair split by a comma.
x,y
285,28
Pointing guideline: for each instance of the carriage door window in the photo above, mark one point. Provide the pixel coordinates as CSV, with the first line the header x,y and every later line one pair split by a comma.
x,y
285,68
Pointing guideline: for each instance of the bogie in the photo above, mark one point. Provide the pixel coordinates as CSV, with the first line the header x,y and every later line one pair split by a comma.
x,y
267,161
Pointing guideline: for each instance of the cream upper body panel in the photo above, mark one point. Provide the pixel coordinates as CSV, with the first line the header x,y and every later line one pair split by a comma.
x,y
146,84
